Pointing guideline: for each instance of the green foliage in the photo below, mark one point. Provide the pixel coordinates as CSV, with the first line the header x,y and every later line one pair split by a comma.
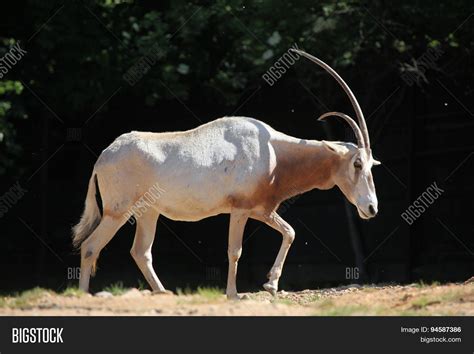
x,y
210,293
73,291
116,288
9,113
200,295
206,292
423,284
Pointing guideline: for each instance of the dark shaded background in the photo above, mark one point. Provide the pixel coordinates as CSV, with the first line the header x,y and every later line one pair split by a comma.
x,y
66,100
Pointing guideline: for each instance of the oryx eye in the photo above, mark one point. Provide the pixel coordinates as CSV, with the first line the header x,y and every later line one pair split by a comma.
x,y
357,164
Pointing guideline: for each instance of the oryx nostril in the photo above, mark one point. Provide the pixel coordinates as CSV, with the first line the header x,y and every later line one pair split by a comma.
x,y
372,210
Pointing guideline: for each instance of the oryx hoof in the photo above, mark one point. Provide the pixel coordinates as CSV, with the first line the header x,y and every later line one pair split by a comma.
x,y
162,292
236,297
272,289
233,297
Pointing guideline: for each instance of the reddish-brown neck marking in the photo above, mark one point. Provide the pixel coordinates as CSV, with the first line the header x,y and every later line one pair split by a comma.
x,y
300,166
303,166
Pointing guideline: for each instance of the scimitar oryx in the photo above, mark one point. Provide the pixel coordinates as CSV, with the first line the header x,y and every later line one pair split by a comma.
x,y
235,165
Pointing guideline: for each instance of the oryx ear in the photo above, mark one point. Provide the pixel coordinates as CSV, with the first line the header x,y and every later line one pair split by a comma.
x,y
376,162
335,147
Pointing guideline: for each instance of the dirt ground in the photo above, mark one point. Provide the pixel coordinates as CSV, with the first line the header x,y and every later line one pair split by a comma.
x,y
414,299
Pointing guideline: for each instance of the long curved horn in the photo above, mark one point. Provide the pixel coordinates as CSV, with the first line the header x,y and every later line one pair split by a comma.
x,y
355,104
350,121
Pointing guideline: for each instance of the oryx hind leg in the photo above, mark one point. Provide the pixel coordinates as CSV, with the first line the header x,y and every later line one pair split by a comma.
x,y
91,247
141,249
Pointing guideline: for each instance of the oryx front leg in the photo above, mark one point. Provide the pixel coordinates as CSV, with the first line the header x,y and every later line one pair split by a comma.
x,y
238,219
276,222
141,249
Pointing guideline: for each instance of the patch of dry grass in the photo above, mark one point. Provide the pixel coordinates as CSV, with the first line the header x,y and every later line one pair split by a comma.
x,y
410,300
25,299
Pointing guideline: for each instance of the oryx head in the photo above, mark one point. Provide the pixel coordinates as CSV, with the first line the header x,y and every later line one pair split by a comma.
x,y
354,175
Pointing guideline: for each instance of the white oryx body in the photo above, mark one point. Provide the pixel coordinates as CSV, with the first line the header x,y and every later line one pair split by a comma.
x,y
201,172
235,165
